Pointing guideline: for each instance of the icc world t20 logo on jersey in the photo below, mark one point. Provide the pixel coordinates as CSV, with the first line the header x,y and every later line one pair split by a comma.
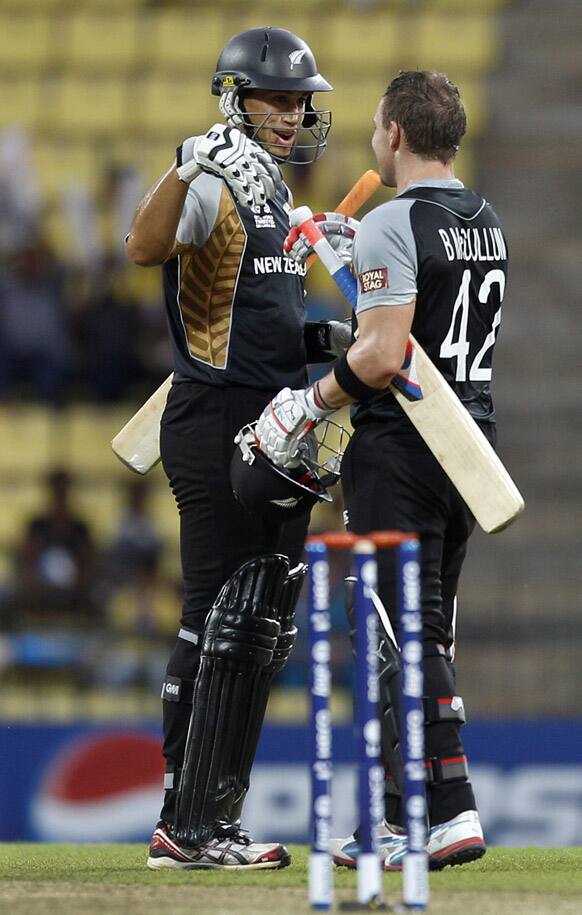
x,y
264,218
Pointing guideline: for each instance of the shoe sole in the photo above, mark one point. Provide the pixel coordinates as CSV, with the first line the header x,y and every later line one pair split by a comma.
x,y
344,862
157,864
351,864
459,853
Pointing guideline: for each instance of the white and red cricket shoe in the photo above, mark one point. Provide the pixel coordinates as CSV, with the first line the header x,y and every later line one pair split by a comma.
x,y
238,852
457,841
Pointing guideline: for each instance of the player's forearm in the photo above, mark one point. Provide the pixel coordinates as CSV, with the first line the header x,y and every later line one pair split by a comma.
x,y
153,229
374,362
370,367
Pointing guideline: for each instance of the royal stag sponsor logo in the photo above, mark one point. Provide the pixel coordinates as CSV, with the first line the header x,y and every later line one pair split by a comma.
x,y
371,280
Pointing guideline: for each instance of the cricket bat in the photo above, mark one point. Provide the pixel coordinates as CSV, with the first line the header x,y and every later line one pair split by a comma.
x,y
459,445
436,412
137,445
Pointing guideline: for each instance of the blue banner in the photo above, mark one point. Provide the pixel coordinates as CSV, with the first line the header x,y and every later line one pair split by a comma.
x,y
83,783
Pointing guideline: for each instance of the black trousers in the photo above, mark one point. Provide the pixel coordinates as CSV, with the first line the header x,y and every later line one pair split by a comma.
x,y
217,535
391,481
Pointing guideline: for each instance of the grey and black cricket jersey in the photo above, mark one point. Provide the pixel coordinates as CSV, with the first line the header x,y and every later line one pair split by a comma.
x,y
235,303
443,244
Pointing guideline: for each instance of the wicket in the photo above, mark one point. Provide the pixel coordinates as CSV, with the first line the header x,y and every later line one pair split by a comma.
x,y
366,716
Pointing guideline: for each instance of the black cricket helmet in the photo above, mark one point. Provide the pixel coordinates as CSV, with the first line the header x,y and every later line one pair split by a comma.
x,y
278,494
272,59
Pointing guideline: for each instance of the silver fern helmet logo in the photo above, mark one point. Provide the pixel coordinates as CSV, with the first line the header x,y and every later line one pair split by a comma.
x,y
296,57
285,503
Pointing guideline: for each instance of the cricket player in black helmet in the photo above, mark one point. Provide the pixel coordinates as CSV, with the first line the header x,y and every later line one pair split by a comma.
x,y
254,65
216,221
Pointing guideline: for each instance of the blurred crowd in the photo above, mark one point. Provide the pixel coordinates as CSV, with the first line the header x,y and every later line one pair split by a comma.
x,y
77,322
105,614
100,613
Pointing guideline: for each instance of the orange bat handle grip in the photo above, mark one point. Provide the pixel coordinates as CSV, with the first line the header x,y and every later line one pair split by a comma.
x,y
362,190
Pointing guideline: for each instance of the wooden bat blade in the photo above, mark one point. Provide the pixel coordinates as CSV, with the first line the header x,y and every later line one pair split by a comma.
x,y
461,448
137,445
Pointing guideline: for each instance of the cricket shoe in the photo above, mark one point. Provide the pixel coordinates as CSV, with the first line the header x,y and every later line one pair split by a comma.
x,y
457,841
389,839
237,852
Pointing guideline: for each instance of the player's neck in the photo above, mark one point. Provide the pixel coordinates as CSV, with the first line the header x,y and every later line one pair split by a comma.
x,y
414,169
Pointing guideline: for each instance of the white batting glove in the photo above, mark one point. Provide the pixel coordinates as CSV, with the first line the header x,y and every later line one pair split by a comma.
x,y
285,422
339,230
249,171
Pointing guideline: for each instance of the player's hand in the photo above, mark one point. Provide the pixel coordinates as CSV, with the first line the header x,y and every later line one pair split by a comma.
x,y
339,230
285,422
249,171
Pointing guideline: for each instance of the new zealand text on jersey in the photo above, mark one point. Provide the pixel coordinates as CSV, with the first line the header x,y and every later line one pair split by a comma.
x,y
278,265
485,244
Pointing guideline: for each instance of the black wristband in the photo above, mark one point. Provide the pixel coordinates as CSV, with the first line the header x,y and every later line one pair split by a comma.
x,y
351,384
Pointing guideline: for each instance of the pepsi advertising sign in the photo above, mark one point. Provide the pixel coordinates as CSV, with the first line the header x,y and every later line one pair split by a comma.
x,y
83,783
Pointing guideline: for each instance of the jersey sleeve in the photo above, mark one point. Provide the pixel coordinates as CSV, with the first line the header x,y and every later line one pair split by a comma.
x,y
385,257
199,212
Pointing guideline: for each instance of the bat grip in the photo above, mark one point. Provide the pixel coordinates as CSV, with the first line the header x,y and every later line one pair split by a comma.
x,y
346,283
338,271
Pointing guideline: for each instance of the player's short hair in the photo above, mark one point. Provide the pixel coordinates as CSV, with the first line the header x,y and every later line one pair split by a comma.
x,y
428,107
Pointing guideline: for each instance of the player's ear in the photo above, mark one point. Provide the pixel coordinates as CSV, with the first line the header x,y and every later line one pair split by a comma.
x,y
394,135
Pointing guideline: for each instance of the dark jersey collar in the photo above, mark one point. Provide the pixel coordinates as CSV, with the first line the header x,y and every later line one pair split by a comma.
x,y
449,193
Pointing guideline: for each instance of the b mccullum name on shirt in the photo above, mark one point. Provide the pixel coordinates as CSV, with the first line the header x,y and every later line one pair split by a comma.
x,y
485,244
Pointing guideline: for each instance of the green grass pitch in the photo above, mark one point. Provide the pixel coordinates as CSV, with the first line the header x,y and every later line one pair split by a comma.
x,y
112,879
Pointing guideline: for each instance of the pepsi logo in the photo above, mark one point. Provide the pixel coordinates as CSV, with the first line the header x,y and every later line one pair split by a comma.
x,y
101,788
